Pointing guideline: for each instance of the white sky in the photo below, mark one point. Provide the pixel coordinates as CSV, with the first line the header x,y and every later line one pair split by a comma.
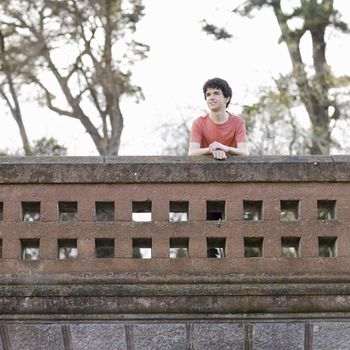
x,y
181,59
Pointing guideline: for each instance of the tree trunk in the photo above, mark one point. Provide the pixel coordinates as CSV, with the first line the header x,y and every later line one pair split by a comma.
x,y
14,106
313,92
110,89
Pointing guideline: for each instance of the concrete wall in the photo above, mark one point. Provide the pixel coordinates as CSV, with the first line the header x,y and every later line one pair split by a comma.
x,y
270,301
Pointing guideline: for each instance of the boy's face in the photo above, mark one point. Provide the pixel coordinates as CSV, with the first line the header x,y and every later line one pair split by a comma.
x,y
216,100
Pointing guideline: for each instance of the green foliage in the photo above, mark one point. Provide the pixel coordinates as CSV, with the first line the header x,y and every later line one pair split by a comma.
x,y
271,122
41,147
48,147
218,33
247,7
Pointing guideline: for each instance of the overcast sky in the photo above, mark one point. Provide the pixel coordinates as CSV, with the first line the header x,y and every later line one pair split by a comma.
x,y
181,59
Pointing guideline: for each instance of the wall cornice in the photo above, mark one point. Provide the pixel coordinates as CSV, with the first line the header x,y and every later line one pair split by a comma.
x,y
147,169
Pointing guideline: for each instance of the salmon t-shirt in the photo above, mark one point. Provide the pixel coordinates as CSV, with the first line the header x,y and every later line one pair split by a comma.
x,y
204,131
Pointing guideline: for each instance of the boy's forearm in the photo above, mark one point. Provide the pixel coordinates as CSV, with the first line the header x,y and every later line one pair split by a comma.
x,y
237,151
199,151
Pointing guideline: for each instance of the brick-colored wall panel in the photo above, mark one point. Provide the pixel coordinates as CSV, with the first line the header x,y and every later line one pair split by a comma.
x,y
160,247
123,287
86,248
48,248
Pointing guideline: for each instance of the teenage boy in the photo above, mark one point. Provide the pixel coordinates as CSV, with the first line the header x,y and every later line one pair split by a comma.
x,y
219,132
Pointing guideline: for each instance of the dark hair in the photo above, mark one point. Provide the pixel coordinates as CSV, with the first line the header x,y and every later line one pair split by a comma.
x,y
221,84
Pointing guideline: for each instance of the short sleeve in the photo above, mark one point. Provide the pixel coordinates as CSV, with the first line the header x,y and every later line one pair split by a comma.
x,y
241,134
196,132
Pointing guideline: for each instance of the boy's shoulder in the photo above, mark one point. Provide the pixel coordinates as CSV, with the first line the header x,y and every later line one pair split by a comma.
x,y
235,118
201,119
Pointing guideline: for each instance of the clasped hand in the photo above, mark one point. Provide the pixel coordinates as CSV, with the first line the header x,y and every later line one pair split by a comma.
x,y
218,150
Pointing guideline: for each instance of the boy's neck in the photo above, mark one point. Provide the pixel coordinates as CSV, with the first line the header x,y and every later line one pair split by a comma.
x,y
219,117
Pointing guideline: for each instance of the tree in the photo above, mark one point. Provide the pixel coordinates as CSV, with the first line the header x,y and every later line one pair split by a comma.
x,y
41,147
175,136
86,47
9,87
10,90
48,147
175,132
271,124
316,88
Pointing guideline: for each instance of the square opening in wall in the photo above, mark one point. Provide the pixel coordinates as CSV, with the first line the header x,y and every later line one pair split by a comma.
x,y
252,210
142,211
216,247
327,247
67,249
289,210
30,249
290,247
178,248
178,211
326,209
104,211
215,210
31,211
68,211
142,248
104,247
1,211
253,247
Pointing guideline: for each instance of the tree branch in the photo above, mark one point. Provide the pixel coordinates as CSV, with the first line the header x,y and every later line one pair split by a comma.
x,y
49,99
7,100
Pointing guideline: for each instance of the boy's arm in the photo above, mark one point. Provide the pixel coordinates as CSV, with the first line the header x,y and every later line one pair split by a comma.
x,y
195,150
240,150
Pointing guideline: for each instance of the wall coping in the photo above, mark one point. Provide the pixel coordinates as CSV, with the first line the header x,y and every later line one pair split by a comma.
x,y
159,169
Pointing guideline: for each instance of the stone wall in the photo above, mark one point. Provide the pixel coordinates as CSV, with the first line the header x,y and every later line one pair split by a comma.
x,y
175,253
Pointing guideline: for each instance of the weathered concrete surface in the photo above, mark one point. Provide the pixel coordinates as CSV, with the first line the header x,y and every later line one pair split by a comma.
x,y
98,336
331,335
189,335
159,336
34,337
173,169
282,336
228,336
118,301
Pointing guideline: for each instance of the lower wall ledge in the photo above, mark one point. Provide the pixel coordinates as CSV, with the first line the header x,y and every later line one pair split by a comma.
x,y
206,301
172,318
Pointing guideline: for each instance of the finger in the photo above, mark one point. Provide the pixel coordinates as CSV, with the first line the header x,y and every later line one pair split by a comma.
x,y
218,155
222,155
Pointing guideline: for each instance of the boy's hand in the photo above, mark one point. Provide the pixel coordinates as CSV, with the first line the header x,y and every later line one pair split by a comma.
x,y
217,146
219,154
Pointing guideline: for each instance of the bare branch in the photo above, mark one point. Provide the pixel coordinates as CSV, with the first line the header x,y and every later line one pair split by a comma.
x,y
8,102
49,100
